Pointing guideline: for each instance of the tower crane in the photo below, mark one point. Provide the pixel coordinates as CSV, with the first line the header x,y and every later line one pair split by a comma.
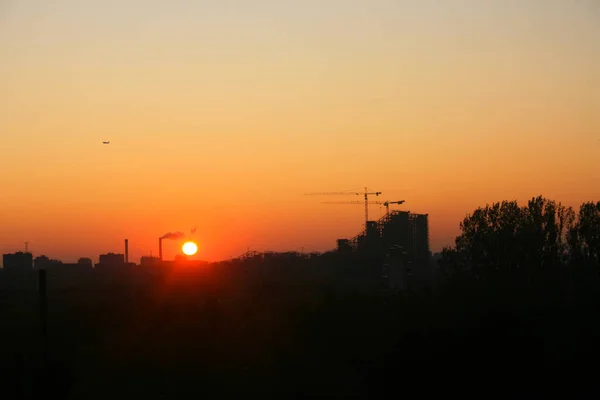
x,y
385,203
350,193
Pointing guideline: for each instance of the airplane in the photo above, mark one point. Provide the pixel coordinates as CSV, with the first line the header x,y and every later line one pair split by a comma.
x,y
105,142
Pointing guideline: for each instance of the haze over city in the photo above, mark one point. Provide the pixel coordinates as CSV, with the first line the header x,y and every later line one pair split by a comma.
x,y
222,114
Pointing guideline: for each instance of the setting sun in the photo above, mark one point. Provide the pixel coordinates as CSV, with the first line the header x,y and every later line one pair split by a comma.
x,y
189,248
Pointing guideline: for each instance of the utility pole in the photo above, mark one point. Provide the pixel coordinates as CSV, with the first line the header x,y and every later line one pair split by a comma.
x,y
43,312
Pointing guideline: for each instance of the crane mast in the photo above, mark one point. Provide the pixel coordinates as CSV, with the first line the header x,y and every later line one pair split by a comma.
x,y
367,204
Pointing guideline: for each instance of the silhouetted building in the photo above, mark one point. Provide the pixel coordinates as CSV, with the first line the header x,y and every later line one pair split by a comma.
x,y
57,266
370,241
18,261
398,228
149,261
343,246
61,275
111,261
85,261
43,262
181,260
397,231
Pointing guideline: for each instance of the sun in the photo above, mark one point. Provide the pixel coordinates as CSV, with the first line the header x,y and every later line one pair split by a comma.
x,y
189,248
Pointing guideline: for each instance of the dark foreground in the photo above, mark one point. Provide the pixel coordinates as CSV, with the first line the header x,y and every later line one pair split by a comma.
x,y
191,335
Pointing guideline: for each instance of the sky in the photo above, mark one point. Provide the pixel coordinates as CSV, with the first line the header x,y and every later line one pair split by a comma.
x,y
222,113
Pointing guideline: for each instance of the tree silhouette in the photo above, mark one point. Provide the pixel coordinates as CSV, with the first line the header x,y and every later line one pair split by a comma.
x,y
543,248
504,242
588,234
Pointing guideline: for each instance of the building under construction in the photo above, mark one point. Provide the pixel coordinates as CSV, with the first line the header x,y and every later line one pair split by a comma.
x,y
396,229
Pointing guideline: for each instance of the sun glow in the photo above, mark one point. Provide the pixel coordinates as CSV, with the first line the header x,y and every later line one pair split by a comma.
x,y
189,248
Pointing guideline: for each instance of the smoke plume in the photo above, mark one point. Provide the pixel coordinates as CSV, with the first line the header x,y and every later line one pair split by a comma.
x,y
172,235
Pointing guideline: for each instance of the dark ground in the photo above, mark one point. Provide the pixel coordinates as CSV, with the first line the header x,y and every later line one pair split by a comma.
x,y
201,334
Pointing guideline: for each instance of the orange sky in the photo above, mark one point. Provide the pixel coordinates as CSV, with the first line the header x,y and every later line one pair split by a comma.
x,y
222,114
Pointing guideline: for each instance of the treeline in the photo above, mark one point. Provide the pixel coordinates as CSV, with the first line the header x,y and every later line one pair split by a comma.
x,y
543,241
522,284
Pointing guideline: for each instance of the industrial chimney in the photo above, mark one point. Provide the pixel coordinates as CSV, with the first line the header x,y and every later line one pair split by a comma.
x,y
160,249
126,251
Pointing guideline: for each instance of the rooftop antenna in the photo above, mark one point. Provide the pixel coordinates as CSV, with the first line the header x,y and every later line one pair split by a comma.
x,y
26,247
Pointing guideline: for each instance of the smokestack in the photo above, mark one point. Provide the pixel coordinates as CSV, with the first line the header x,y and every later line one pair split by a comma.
x,y
126,251
160,249
170,235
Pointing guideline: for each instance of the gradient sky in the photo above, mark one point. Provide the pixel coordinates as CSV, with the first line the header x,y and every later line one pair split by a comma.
x,y
221,114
